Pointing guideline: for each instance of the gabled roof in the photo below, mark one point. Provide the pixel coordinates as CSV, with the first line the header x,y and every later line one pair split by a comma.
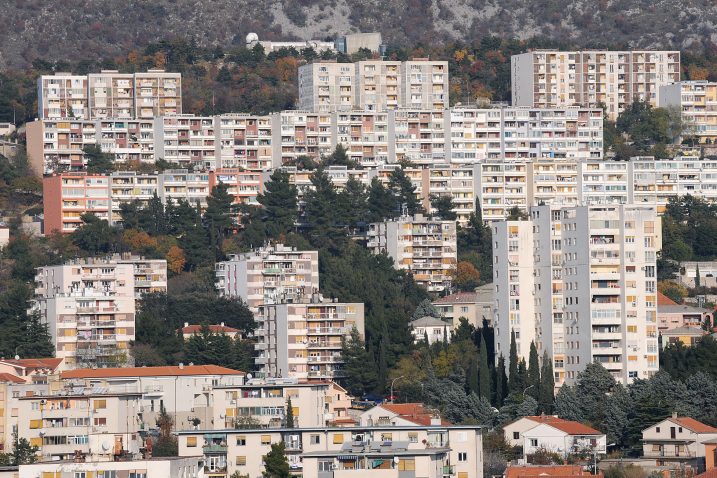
x,y
685,330
567,426
166,371
711,473
52,363
458,298
413,412
8,377
662,299
215,329
534,471
693,425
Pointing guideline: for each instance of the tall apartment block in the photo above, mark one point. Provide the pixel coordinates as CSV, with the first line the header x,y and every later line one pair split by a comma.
x,y
697,101
300,133
424,246
109,95
269,275
580,282
186,139
364,135
603,182
62,95
551,78
302,339
418,136
89,307
243,141
326,86
374,85
67,197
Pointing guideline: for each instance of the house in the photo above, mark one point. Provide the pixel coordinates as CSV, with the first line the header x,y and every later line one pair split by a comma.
x,y
678,439
513,432
31,369
189,467
563,437
474,306
435,329
401,414
671,315
686,335
188,330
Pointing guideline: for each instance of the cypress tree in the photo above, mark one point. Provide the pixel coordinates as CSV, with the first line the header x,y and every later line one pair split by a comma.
x,y
533,372
522,380
289,414
484,371
547,386
473,378
513,365
500,382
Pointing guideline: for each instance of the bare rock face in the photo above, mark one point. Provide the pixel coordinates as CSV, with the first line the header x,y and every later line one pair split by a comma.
x,y
91,29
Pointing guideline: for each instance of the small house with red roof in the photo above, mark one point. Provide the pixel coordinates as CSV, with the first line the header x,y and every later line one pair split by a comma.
x,y
188,330
31,369
564,437
678,439
513,432
401,414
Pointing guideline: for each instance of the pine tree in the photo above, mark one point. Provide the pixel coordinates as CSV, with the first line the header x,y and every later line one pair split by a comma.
x,y
404,192
289,414
218,216
547,386
698,279
360,368
443,207
380,202
276,465
513,385
533,372
319,217
485,391
382,365
279,199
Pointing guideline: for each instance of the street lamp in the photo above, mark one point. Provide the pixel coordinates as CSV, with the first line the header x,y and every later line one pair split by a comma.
x,y
392,382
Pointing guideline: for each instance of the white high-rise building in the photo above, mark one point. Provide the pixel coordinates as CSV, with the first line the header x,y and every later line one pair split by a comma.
x,y
615,79
581,283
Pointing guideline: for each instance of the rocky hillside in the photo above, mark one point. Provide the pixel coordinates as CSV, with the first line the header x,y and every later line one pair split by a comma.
x,y
91,29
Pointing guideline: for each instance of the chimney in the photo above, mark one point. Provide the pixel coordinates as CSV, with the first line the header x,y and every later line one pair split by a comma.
x,y
222,324
181,366
186,324
674,414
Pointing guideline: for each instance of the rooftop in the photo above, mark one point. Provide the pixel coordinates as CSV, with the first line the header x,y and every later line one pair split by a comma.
x,y
52,363
413,412
693,425
429,321
663,300
165,371
530,471
567,426
8,377
682,331
215,329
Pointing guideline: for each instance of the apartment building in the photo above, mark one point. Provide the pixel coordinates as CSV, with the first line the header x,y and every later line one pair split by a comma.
x,y
364,134
157,93
424,84
314,403
56,145
66,197
303,338
127,140
378,85
374,85
243,185
126,187
601,310
434,451
187,140
476,306
418,136
326,86
270,275
62,95
184,391
89,307
99,424
551,78
244,141
424,246
298,133
459,183
603,182
185,467
184,185
502,186
697,102
150,275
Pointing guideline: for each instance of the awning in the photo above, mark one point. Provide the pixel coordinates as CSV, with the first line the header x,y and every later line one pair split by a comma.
x,y
347,457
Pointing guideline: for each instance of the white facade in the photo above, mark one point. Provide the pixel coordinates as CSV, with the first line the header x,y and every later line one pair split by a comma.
x,y
426,247
580,283
184,467
550,437
551,78
697,102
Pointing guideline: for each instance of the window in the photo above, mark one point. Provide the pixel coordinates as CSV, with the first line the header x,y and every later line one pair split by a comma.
x,y
137,474
516,435
326,465
241,461
106,474
462,474
462,456
338,438
657,429
386,436
191,442
266,439
412,437
100,404
35,424
241,440
407,464
101,422
315,439
533,442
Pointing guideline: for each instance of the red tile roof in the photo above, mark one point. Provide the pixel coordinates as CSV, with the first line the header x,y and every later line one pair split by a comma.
x,y
52,363
8,377
567,426
166,371
693,425
413,412
535,471
215,329
662,299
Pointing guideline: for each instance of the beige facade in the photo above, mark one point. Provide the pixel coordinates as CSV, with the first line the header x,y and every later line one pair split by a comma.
x,y
244,141
378,84
89,307
62,95
303,339
424,246
301,133
433,451
551,78
676,439
424,84
697,103
475,306
187,140
265,402
269,275
326,86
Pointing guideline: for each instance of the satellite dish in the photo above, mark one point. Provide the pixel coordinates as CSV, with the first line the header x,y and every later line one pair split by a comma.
x,y
106,446
252,37
249,376
396,459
